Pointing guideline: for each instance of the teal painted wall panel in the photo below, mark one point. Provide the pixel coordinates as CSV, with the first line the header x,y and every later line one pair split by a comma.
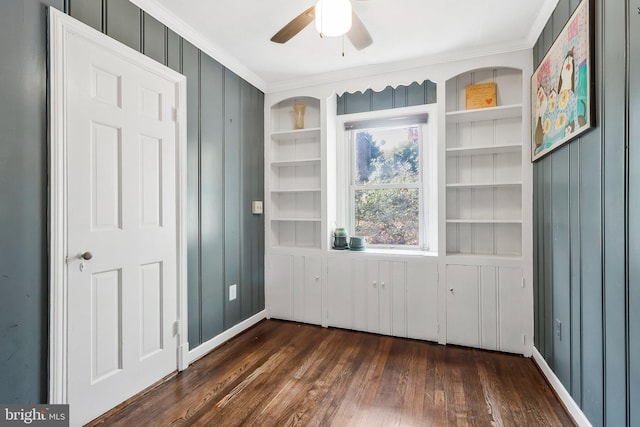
x,y
154,38
601,272
123,22
23,186
388,98
212,197
634,220
191,69
87,11
232,186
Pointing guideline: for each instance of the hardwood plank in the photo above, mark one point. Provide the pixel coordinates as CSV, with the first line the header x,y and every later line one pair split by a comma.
x,y
286,374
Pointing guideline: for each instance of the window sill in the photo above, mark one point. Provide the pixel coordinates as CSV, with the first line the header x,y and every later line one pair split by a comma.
x,y
389,251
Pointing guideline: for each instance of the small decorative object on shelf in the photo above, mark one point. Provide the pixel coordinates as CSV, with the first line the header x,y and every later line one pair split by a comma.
x,y
340,239
481,96
298,115
357,243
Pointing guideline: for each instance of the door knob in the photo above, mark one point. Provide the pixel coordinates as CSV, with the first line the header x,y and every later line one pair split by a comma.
x,y
86,256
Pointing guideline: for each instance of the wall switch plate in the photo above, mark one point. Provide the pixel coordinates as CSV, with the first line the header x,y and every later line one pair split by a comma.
x,y
233,292
558,326
256,207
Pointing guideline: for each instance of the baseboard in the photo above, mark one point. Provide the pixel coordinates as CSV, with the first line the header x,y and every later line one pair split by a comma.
x,y
205,348
570,404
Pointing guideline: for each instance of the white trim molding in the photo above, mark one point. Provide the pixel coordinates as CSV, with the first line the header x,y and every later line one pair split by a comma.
x,y
570,404
207,347
61,28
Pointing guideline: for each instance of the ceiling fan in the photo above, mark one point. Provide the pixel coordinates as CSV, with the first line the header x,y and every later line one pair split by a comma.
x,y
325,18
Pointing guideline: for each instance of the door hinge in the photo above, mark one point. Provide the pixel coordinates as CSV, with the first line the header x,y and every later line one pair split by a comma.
x,y
174,114
176,327
523,282
524,339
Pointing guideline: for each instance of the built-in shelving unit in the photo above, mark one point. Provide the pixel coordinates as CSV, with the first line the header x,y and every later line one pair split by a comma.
x,y
484,167
294,205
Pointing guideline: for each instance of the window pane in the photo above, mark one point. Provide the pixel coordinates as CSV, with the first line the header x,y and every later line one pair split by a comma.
x,y
388,216
387,156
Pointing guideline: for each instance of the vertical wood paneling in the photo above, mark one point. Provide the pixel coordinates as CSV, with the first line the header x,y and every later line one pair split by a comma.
x,y
246,133
634,214
416,94
23,186
388,98
575,290
211,196
257,191
382,100
191,69
614,166
400,97
87,11
560,266
232,186
560,17
603,253
174,51
154,38
591,229
123,22
547,261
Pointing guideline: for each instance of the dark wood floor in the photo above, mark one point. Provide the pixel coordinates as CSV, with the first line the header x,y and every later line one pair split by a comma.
x,y
285,374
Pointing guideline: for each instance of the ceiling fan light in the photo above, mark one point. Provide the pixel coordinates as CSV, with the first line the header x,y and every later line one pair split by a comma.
x,y
333,17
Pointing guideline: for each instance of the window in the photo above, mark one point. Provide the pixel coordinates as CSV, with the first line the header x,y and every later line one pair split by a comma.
x,y
389,163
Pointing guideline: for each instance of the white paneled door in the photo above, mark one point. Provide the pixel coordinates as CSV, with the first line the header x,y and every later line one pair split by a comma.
x,y
122,244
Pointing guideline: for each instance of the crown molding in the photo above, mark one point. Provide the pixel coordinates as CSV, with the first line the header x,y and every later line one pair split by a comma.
x,y
187,32
541,20
411,70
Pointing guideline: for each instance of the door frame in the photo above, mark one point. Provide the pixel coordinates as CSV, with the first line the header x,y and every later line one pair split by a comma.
x,y
61,27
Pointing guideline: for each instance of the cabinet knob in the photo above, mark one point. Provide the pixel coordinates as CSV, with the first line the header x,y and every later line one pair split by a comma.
x,y
382,284
317,278
375,284
451,290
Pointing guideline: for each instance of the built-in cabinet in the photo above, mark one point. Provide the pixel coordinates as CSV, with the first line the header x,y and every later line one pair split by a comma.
x,y
484,166
294,206
383,296
474,288
485,307
295,291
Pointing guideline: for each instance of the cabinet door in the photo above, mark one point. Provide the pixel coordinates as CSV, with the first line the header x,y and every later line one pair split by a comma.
x,y
279,286
373,316
307,289
422,300
385,296
360,284
463,316
339,293
511,313
313,290
398,303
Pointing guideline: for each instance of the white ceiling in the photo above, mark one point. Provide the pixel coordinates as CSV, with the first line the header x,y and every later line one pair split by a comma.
x,y
238,32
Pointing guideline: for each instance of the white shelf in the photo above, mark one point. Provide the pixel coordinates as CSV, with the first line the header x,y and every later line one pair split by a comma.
x,y
481,114
296,190
484,221
488,149
288,135
485,185
300,162
296,219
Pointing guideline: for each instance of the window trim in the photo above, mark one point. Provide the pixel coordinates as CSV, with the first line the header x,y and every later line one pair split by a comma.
x,y
428,163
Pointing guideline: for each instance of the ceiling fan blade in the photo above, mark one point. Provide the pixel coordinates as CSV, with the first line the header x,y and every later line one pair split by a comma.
x,y
296,25
358,34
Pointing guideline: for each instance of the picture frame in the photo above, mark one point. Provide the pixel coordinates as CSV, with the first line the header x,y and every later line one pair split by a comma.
x,y
563,85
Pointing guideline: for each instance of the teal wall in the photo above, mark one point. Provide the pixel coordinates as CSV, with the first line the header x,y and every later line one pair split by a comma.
x,y
225,172
586,229
388,98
